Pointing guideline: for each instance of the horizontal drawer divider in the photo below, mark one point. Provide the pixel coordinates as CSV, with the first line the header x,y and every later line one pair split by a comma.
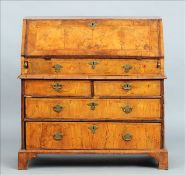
x,y
94,151
96,97
125,97
72,97
92,77
92,120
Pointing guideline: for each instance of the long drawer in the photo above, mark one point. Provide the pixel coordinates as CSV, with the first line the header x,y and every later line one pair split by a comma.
x,y
92,135
93,108
40,66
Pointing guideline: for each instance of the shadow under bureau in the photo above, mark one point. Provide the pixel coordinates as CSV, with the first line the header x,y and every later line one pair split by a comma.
x,y
92,86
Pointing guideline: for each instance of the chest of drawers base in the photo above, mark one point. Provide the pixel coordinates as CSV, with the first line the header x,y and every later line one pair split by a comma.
x,y
92,86
113,135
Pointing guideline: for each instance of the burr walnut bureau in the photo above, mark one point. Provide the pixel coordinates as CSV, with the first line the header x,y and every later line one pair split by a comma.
x,y
92,86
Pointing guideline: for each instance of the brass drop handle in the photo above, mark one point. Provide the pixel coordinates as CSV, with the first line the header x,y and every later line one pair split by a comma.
x,y
57,136
127,67
127,86
92,105
57,108
127,137
57,67
127,109
93,128
93,64
57,86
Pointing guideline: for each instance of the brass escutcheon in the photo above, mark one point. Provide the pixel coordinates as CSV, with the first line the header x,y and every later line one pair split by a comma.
x,y
92,24
92,105
57,86
127,86
58,136
93,128
127,67
127,109
93,64
127,137
57,67
57,108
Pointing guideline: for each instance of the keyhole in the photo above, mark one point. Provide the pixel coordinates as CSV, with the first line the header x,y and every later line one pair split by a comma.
x,y
92,24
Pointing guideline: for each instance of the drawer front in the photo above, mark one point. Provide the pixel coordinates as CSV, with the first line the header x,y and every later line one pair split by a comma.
x,y
57,88
127,88
92,66
92,135
93,108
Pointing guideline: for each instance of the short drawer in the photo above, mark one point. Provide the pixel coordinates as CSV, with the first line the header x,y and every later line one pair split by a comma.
x,y
57,88
92,135
127,88
98,109
40,66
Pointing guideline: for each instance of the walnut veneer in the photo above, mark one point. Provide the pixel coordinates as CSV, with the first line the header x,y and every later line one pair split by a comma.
x,y
92,86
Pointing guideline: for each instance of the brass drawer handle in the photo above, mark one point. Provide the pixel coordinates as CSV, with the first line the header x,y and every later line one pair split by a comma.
x,y
92,24
93,128
92,105
93,64
57,108
57,86
127,109
127,137
127,86
57,136
57,67
127,67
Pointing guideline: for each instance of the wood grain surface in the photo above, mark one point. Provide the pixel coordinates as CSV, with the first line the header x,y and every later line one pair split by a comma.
x,y
92,86
104,109
121,37
93,67
137,88
77,135
68,88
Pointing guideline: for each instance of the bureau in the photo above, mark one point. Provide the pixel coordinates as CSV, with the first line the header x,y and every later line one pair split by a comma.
x,y
92,86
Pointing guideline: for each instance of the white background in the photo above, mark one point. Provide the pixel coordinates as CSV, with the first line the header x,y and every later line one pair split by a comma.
x,y
12,13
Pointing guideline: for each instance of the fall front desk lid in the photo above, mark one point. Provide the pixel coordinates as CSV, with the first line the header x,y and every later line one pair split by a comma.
x,y
119,37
